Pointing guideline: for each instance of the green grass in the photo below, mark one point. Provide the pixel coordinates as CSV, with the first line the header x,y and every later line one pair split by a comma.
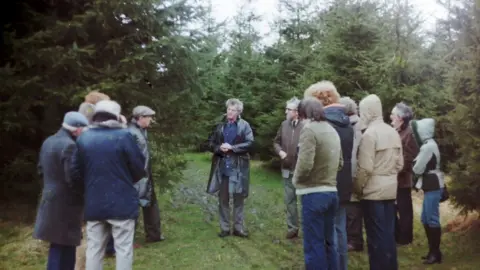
x,y
190,225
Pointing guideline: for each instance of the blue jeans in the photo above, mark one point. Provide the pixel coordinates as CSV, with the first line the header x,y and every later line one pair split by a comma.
x,y
430,209
318,211
379,219
341,243
61,257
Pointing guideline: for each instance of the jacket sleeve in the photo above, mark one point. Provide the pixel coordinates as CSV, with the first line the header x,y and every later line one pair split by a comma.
x,y
76,170
212,142
365,162
410,151
66,158
135,158
400,160
306,156
277,141
422,160
244,147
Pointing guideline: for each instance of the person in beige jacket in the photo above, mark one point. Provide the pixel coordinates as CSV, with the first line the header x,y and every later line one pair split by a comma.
x,y
379,160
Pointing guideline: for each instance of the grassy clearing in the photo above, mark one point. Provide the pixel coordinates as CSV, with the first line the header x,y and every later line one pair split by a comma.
x,y
190,225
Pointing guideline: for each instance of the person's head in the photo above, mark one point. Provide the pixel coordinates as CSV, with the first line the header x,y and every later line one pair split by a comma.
x,y
106,110
291,109
351,107
95,96
75,123
370,109
325,91
87,108
312,109
143,116
234,108
401,116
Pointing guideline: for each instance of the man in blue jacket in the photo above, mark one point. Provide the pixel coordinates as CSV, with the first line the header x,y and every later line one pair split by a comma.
x,y
109,162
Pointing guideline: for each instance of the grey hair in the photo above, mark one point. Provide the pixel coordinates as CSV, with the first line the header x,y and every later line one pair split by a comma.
x,y
403,111
235,102
311,108
293,101
351,107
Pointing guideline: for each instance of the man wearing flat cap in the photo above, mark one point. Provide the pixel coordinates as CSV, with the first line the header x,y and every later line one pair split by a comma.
x,y
60,211
141,120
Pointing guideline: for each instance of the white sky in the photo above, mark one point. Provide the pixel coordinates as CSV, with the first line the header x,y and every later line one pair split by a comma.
x,y
227,9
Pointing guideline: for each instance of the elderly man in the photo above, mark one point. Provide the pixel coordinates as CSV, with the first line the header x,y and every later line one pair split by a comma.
x,y
401,116
108,163
379,161
285,145
60,212
142,118
230,143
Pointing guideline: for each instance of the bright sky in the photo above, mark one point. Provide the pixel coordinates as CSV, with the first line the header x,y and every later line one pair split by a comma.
x,y
227,9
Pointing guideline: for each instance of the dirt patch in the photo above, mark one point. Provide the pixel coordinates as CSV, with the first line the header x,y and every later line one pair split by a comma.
x,y
81,260
463,223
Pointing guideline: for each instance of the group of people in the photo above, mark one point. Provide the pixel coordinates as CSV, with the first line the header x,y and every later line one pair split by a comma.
x,y
349,169
97,169
346,164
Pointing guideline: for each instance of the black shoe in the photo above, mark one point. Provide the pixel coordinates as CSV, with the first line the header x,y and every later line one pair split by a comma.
x,y
224,234
160,239
240,234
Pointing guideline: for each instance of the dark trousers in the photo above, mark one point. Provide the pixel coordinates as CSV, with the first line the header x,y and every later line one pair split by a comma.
x,y
318,214
151,224
355,225
61,257
404,218
380,227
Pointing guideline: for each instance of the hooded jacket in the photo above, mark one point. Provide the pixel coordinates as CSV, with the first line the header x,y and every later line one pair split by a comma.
x,y
338,119
427,163
380,156
357,128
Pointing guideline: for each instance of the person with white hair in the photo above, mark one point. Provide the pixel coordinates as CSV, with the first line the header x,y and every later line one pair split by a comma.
x,y
108,162
285,145
60,211
230,142
401,116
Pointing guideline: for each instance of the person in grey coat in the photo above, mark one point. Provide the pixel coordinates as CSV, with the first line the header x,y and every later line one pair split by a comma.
x,y
60,211
142,118
230,142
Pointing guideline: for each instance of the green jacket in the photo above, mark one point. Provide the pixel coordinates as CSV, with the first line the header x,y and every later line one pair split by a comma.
x,y
319,159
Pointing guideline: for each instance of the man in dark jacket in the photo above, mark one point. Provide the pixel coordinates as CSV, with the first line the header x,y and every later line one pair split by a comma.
x,y
108,163
401,116
230,142
60,211
335,114
142,118
285,145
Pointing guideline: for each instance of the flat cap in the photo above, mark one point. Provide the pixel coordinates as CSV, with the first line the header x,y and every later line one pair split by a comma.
x,y
75,119
143,111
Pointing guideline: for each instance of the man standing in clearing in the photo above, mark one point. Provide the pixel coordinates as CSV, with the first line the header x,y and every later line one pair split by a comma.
x,y
142,118
285,145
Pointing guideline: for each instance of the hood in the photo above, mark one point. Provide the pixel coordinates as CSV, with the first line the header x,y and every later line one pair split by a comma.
x,y
335,114
423,129
108,124
370,109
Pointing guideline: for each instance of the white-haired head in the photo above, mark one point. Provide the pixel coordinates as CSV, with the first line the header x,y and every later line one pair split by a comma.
x,y
351,107
401,116
234,108
325,91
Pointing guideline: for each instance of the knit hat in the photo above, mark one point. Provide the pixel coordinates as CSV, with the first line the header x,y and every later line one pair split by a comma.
x,y
74,120
142,111
108,106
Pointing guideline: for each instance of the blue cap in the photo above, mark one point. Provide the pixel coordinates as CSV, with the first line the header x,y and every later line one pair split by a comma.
x,y
75,119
